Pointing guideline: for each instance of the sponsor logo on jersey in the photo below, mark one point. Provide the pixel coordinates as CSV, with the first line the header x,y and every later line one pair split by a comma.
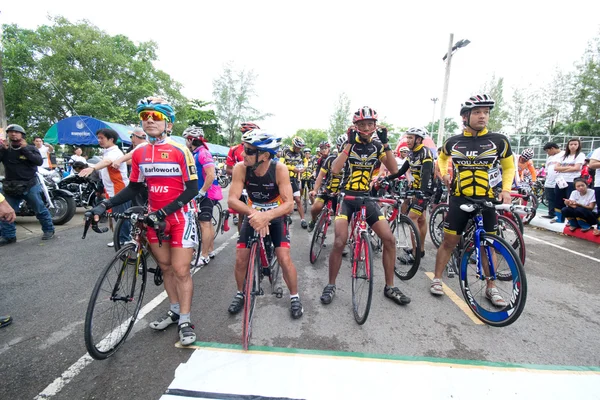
x,y
160,169
164,156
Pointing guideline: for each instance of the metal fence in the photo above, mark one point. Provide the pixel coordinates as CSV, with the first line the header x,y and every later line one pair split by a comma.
x,y
537,142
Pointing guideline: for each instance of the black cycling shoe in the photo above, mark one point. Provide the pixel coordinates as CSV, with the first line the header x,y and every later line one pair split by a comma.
x,y
311,225
5,240
395,294
328,293
187,335
303,224
237,304
296,308
288,219
5,320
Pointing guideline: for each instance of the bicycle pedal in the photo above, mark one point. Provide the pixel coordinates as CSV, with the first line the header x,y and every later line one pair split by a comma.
x,y
279,292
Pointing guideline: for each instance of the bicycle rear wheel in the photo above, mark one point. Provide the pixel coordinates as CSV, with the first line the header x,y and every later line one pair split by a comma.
x,y
362,280
250,292
436,224
473,285
318,239
408,242
115,303
217,217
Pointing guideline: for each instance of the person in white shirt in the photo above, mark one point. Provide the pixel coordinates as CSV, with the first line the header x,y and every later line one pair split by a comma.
x,y
595,164
554,155
579,207
568,169
77,156
45,150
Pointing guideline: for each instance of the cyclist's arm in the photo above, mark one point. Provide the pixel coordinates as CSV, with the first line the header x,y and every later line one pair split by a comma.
x,y
401,171
235,191
390,162
426,172
128,193
443,164
340,160
508,172
532,171
319,180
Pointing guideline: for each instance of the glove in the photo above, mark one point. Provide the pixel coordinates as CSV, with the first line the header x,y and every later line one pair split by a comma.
x,y
352,133
98,210
383,135
156,219
200,196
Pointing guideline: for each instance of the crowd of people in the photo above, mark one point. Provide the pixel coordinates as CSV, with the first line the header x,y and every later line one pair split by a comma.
x,y
178,184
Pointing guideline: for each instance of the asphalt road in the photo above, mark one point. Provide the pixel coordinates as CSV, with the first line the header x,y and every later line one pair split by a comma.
x,y
46,286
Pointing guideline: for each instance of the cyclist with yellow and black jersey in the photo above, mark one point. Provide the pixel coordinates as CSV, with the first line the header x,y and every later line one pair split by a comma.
x,y
359,156
475,154
307,176
330,181
420,163
292,158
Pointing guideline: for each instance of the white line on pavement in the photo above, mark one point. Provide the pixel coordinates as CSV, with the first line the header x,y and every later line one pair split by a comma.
x,y
74,370
562,248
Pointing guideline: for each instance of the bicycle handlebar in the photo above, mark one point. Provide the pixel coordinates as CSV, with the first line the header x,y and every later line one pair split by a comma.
x,y
136,217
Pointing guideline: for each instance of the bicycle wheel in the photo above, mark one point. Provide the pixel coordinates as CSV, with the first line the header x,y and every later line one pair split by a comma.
x,y
436,224
198,248
509,231
318,239
117,232
473,285
217,218
250,292
408,242
362,280
513,216
115,303
305,198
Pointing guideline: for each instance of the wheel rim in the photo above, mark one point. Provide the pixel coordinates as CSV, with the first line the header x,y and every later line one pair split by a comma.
x,y
61,208
362,283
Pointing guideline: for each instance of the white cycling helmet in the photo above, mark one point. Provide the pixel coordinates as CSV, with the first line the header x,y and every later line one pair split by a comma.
x,y
263,141
195,132
527,154
420,132
479,100
341,141
298,142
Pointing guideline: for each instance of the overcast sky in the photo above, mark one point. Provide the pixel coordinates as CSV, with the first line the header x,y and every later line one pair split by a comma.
x,y
384,54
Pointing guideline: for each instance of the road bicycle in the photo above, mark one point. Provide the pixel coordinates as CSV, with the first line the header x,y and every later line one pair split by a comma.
x,y
304,193
320,233
362,253
483,257
262,262
118,293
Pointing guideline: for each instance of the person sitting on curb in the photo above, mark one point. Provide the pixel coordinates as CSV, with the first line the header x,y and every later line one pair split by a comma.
x,y
579,207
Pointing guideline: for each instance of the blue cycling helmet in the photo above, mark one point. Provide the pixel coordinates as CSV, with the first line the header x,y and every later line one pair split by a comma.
x,y
156,104
264,141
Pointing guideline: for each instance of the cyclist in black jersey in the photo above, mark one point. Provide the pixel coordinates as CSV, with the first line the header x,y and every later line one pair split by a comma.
x,y
331,183
292,159
269,200
475,154
359,156
420,163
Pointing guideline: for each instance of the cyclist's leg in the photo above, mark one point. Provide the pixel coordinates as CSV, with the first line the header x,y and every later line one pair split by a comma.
x,y
280,236
456,221
417,214
339,243
206,226
317,207
242,254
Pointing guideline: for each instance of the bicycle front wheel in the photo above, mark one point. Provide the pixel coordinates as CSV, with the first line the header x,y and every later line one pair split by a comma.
x,y
318,239
473,283
250,292
216,219
115,303
362,280
408,247
436,224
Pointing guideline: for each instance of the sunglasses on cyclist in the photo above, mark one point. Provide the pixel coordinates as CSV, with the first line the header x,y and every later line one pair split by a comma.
x,y
137,136
154,115
250,152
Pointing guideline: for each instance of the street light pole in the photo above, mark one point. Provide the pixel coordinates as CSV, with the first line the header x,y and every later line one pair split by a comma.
x,y
440,140
434,99
448,59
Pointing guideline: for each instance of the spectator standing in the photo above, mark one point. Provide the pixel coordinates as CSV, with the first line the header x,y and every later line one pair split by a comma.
x,y
568,169
45,150
554,155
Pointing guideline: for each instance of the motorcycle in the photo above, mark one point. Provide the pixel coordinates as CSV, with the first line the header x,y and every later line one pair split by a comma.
x,y
83,189
59,202
222,178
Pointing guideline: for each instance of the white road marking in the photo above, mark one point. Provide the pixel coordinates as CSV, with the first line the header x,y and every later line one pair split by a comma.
x,y
74,370
562,248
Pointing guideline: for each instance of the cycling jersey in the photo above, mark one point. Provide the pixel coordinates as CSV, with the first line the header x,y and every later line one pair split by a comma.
x,y
527,165
291,160
420,163
308,171
165,166
362,161
475,162
331,181
235,155
114,180
263,192
203,159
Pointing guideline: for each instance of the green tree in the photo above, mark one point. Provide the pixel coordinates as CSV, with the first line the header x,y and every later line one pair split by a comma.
x,y
196,115
232,92
66,69
450,128
312,137
340,119
585,117
499,115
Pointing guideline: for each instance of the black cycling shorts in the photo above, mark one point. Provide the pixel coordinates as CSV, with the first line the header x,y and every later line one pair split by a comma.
x,y
206,209
295,187
349,207
278,230
324,198
418,206
457,219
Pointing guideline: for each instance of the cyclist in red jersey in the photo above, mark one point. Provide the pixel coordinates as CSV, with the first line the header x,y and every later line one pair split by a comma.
x,y
169,171
235,156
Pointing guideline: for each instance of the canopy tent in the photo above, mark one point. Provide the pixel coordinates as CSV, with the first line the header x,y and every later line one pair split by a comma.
x,y
81,131
215,149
